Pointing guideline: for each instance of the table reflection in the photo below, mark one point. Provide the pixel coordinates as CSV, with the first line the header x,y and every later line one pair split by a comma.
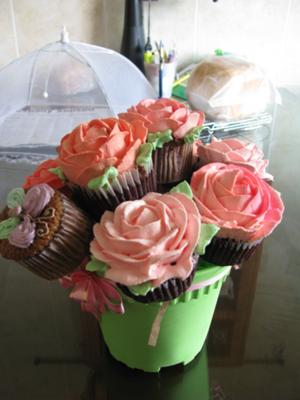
x,y
113,380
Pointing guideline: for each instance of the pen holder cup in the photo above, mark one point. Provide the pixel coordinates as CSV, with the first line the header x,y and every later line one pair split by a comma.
x,y
168,77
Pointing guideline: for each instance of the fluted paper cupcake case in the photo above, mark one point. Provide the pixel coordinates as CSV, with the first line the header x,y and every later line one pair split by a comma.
x,y
173,162
131,185
225,251
168,290
63,250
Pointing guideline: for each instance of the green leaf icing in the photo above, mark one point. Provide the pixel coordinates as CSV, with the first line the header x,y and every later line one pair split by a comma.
x,y
145,154
208,231
158,139
141,289
7,226
15,198
219,52
97,266
183,187
104,181
193,135
58,172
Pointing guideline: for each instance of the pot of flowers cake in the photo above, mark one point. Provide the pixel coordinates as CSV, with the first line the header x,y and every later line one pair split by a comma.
x,y
145,282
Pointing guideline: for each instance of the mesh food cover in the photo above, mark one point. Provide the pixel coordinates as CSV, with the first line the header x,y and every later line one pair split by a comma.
x,y
48,92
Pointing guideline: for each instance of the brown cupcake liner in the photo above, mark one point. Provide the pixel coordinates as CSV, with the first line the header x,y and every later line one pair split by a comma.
x,y
225,251
168,290
174,162
131,185
65,248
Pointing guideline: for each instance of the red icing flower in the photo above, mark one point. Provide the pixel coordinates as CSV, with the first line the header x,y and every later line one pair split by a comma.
x,y
43,175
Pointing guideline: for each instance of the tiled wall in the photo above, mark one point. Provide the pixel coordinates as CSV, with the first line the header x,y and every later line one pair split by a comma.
x,y
266,30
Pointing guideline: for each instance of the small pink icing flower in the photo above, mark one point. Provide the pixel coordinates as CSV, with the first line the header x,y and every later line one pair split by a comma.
x,y
151,239
162,114
43,175
244,206
37,198
234,151
90,148
95,294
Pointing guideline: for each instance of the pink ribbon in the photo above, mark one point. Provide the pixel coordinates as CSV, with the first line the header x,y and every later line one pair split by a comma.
x,y
95,294
153,337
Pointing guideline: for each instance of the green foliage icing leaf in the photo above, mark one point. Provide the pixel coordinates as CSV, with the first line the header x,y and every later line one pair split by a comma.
x,y
15,198
7,226
141,289
158,139
105,180
97,266
144,157
193,135
208,231
184,188
58,172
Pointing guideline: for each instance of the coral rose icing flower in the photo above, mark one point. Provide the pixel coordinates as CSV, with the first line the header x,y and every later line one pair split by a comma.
x,y
244,206
90,148
43,175
163,114
151,239
234,151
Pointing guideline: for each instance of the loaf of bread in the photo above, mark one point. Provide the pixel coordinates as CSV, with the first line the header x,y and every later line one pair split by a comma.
x,y
229,88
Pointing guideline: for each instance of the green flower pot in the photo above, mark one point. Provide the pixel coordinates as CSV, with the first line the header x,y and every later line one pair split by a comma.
x,y
183,327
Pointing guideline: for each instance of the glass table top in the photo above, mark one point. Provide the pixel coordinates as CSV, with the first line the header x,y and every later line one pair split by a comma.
x,y
50,350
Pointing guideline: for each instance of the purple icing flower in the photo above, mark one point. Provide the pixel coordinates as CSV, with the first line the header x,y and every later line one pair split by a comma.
x,y
23,235
37,198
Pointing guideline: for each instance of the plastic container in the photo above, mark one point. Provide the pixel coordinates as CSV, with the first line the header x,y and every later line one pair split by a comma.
x,y
168,76
183,327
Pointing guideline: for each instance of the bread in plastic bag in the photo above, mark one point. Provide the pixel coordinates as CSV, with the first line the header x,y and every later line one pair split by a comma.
x,y
229,88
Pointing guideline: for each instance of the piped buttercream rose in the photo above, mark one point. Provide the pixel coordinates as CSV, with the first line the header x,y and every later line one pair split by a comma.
x,y
89,149
148,240
234,151
244,206
163,114
45,173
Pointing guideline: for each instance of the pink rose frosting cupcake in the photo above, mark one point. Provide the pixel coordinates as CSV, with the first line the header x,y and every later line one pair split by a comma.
x,y
172,130
234,151
242,205
150,244
106,162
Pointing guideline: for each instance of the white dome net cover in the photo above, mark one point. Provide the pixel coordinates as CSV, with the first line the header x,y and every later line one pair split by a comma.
x,y
48,92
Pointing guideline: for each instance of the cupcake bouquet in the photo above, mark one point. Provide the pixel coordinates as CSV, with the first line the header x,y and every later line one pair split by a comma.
x,y
148,263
